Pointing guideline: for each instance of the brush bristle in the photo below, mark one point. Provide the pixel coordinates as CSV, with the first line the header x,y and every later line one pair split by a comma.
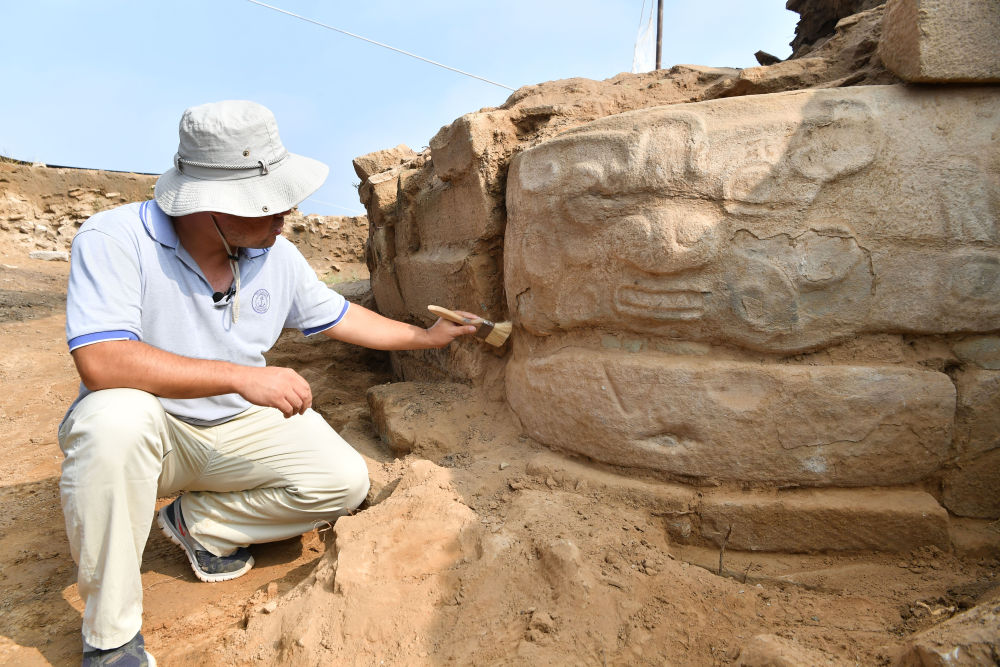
x,y
498,336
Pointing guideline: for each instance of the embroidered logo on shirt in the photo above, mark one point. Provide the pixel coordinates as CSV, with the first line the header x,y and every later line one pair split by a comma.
x,y
261,301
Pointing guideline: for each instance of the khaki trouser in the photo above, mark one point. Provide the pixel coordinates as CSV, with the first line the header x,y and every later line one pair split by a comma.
x,y
257,478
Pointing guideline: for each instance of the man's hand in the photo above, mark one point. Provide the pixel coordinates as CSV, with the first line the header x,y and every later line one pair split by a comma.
x,y
275,387
444,331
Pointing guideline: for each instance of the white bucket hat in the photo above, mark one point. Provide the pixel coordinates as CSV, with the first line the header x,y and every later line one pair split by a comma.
x,y
231,160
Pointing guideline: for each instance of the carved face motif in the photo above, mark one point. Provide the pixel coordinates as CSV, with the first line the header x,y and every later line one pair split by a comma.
x,y
655,249
630,230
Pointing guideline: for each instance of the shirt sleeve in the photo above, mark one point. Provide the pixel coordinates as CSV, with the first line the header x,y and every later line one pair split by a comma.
x,y
315,307
103,301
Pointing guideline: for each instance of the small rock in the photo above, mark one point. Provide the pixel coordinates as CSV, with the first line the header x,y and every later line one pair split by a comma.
x,y
504,466
270,607
765,58
112,195
272,589
50,255
542,621
680,528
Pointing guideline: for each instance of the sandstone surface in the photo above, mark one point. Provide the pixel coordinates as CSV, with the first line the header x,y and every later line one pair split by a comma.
x,y
699,237
828,520
771,224
727,420
438,219
776,223
942,41
970,486
818,20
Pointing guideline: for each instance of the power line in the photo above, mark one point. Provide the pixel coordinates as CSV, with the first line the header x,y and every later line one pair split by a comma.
x,y
320,201
372,41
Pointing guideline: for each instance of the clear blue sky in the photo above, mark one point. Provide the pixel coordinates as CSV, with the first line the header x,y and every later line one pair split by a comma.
x,y
103,83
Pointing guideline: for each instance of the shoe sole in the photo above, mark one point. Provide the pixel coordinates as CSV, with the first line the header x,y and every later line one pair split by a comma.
x,y
150,660
167,529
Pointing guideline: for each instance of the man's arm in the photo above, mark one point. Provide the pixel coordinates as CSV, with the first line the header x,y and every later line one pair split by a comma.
x,y
132,364
136,365
361,326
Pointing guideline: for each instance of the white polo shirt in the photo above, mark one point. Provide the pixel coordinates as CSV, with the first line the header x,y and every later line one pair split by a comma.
x,y
131,279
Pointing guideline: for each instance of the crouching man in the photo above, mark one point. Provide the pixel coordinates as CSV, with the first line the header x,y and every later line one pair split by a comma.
x,y
172,304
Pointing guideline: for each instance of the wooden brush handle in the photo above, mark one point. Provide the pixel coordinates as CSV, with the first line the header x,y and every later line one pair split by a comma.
x,y
453,316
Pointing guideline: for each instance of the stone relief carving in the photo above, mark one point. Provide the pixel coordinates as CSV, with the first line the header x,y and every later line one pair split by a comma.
x,y
758,228
741,229
701,418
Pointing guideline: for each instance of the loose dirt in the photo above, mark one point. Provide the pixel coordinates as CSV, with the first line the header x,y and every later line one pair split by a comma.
x,y
475,547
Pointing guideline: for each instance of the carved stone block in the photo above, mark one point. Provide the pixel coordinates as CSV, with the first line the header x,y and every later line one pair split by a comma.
x,y
825,520
941,41
778,223
728,420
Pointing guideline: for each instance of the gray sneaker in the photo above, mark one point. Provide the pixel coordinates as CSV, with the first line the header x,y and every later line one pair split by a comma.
x,y
206,565
132,654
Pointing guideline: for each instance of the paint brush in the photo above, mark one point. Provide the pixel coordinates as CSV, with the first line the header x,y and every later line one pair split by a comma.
x,y
494,333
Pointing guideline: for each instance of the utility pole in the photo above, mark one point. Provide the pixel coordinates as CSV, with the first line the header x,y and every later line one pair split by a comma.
x,y
659,32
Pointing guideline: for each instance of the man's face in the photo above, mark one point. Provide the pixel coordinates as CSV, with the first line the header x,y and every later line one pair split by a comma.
x,y
256,232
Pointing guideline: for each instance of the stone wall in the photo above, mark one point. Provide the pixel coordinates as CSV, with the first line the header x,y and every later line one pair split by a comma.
x,y
438,219
687,279
798,286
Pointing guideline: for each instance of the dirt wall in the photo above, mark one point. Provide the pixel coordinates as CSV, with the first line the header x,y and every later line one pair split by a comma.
x,y
41,209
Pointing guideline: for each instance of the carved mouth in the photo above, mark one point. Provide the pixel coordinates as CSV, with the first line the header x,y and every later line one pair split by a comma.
x,y
658,304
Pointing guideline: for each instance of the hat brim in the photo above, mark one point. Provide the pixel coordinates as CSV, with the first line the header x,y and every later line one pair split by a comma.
x,y
284,187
